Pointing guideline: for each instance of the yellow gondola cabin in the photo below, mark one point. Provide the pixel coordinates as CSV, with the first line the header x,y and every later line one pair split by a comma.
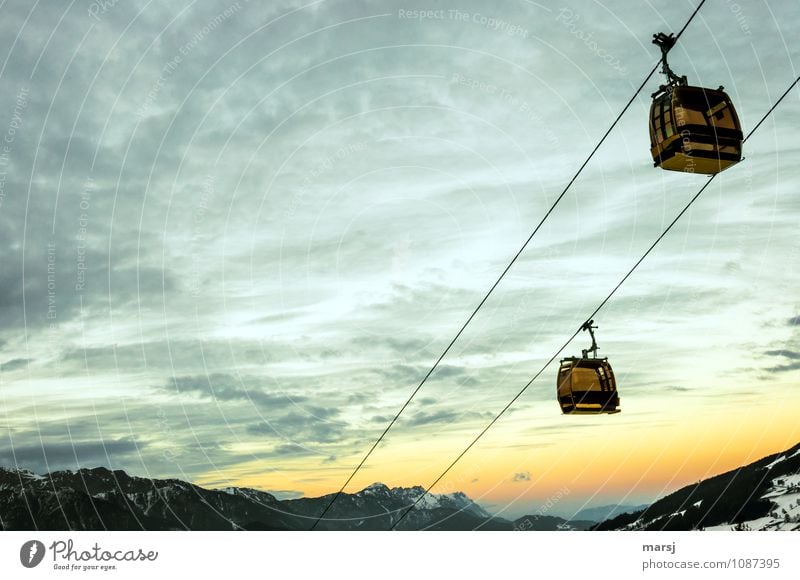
x,y
586,385
692,129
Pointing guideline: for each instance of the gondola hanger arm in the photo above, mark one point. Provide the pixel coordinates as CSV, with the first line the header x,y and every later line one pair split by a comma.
x,y
590,326
665,42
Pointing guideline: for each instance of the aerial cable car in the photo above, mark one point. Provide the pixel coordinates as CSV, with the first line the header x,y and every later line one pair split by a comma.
x,y
585,385
692,129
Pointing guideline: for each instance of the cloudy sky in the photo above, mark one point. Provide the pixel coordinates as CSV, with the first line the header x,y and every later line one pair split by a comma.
x,y
235,235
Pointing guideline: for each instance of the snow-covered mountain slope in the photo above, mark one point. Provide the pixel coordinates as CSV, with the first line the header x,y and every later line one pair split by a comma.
x,y
763,495
784,494
378,507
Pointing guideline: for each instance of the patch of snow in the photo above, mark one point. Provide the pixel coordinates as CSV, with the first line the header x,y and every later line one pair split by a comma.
x,y
463,502
374,488
725,527
761,523
784,496
787,501
776,462
564,527
784,503
429,501
788,480
757,524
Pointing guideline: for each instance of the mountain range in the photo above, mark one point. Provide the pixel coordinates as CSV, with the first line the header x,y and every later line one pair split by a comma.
x,y
762,495
98,499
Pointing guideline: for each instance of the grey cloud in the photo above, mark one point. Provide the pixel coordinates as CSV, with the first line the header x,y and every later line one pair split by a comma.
x,y
407,373
130,284
358,398
406,299
448,371
56,286
314,425
544,429
14,364
423,418
71,455
402,346
790,354
224,387
521,476
794,321
794,366
183,353
290,451
401,373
